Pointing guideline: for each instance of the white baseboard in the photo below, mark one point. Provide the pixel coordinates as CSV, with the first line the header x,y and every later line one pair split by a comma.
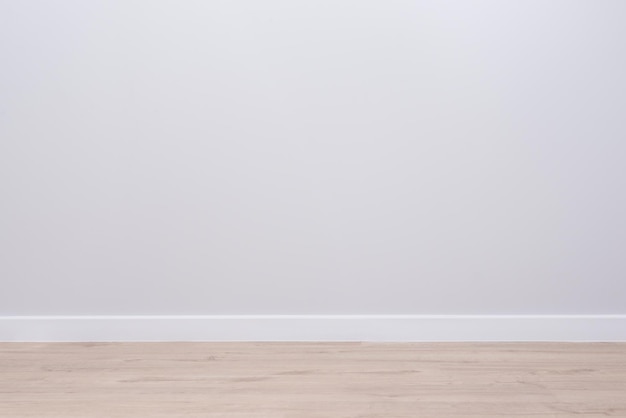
x,y
315,328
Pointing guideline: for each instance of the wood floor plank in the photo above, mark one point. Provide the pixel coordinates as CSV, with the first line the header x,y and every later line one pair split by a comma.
x,y
312,380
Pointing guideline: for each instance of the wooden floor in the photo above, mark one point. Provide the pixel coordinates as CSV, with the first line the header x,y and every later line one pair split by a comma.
x,y
312,380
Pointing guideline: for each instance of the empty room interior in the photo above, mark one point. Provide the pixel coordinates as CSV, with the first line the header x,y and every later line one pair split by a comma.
x,y
312,208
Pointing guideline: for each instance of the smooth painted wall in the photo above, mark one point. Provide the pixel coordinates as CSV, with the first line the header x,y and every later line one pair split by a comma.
x,y
318,156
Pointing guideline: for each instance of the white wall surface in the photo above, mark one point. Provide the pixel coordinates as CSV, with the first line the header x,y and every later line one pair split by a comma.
x,y
312,157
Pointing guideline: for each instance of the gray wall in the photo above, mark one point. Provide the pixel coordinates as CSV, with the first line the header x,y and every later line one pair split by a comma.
x,y
294,157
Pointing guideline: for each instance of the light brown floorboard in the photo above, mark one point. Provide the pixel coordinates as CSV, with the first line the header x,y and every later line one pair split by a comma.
x,y
312,380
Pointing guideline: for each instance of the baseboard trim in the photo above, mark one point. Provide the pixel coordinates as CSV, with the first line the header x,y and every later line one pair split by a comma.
x,y
403,328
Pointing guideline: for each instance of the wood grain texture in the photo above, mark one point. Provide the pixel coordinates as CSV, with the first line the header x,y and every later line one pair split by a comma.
x,y
312,380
